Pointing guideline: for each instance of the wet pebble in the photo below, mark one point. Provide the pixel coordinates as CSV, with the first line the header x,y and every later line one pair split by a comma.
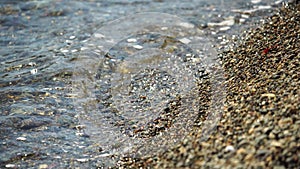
x,y
21,139
10,166
139,47
82,160
229,148
131,40
43,166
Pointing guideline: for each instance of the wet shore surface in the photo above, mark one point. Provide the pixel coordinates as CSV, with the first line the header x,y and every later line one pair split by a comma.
x,y
40,40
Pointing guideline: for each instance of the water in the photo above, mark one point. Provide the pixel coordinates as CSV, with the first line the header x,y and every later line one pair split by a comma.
x,y
42,42
152,90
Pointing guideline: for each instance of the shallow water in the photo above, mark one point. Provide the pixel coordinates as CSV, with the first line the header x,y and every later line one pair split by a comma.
x,y
42,41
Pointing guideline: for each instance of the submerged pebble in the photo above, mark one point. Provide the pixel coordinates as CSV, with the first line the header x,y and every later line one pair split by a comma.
x,y
21,139
10,166
139,47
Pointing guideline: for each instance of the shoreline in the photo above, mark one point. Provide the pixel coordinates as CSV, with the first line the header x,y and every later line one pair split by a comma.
x,y
42,128
261,121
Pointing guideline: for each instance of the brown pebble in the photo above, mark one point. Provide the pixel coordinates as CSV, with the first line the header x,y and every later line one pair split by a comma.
x,y
241,151
276,144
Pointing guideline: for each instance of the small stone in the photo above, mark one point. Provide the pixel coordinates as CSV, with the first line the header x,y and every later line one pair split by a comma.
x,y
33,71
10,165
131,40
286,133
182,150
205,144
80,127
249,157
283,123
251,130
245,16
225,28
72,37
31,64
255,1
268,95
69,42
82,160
21,139
64,50
185,40
278,2
264,7
262,153
241,151
242,20
260,139
164,28
99,35
196,60
139,47
276,144
43,166
229,148
272,136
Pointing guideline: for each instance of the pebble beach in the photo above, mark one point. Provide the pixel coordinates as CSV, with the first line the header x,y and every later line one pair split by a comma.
x,y
42,124
260,127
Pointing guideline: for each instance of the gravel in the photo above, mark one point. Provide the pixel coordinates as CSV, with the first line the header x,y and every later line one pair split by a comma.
x,y
261,120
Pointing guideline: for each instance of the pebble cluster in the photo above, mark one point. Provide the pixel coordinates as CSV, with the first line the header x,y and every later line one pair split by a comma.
x,y
261,120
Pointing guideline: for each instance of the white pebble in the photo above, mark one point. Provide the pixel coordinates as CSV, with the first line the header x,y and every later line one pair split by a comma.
x,y
196,60
138,47
43,166
264,7
185,40
131,40
223,43
33,71
229,148
245,16
255,1
99,35
31,64
10,165
72,37
82,160
64,50
164,28
104,155
69,41
84,48
225,28
278,2
21,138
242,20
